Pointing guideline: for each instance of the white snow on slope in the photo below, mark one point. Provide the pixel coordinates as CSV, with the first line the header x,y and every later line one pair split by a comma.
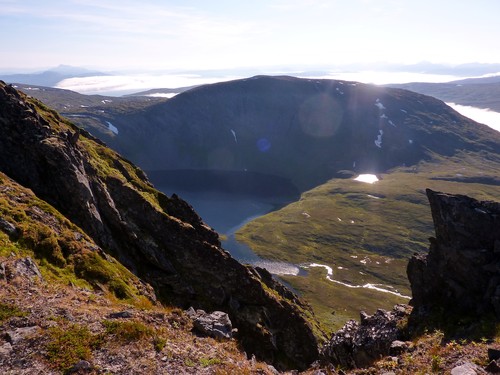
x,y
111,127
379,104
234,135
368,178
378,141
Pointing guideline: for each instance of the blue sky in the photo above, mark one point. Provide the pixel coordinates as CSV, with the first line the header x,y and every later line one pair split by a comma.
x,y
201,34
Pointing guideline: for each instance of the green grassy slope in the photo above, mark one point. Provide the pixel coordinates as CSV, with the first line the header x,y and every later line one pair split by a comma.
x,y
365,232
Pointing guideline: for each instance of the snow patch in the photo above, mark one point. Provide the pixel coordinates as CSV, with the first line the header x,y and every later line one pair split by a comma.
x,y
112,128
234,135
167,95
368,178
378,141
379,104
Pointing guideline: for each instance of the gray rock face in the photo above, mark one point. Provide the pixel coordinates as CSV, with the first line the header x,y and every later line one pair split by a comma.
x,y
461,272
358,344
216,324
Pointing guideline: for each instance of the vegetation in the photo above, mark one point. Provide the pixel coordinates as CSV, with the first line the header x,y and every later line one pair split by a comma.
x,y
65,253
127,331
8,311
68,345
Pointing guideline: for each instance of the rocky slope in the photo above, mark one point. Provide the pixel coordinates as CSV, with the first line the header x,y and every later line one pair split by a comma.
x,y
160,239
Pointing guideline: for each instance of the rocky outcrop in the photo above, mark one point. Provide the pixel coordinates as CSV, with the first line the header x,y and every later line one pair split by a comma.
x,y
159,238
358,344
461,272
215,324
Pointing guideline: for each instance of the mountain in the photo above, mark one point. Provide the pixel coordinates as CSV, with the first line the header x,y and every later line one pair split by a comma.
x,y
305,130
158,238
50,77
475,92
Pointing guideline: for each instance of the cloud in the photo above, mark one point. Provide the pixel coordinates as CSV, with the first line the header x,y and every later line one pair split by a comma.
x,y
483,116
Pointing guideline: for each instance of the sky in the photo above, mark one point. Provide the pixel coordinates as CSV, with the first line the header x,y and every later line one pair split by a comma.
x,y
119,35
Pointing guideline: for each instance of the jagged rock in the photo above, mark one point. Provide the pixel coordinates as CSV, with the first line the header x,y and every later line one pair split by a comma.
x,y
493,367
360,344
461,272
161,239
215,324
493,354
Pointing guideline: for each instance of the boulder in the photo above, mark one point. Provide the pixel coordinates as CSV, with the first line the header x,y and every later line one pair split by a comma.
x,y
215,324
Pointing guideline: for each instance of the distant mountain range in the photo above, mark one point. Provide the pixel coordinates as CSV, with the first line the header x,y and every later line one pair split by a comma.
x,y
50,77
